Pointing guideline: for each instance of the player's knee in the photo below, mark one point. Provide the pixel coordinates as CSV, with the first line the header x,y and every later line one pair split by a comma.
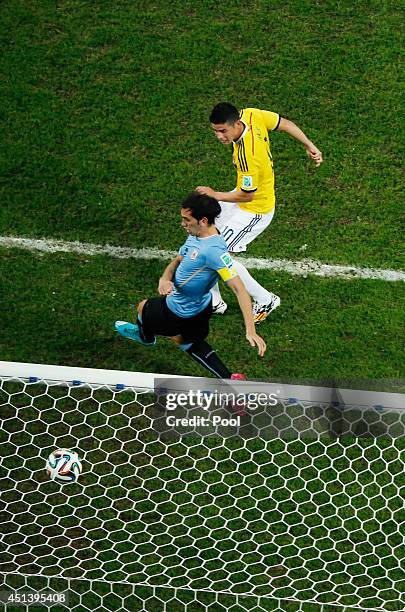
x,y
177,340
182,344
140,306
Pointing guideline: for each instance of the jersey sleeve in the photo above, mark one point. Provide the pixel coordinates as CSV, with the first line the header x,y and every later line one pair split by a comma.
x,y
219,260
271,120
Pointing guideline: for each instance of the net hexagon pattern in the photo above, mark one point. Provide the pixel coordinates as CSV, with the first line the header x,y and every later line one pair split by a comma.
x,y
198,521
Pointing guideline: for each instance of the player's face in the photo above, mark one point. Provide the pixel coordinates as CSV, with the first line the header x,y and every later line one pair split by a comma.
x,y
227,132
191,225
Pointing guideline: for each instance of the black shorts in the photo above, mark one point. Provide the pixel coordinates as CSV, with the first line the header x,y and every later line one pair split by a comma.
x,y
159,320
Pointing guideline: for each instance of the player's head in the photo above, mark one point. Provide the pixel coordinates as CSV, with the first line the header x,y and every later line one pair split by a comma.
x,y
198,212
226,123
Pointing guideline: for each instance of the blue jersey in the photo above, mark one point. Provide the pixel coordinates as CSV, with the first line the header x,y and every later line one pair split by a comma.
x,y
203,260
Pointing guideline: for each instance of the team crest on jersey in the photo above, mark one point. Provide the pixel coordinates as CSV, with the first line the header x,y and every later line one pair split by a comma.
x,y
247,182
194,254
227,259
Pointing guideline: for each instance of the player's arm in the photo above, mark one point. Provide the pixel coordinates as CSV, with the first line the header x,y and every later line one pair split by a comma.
x,y
222,263
166,280
237,196
285,125
245,304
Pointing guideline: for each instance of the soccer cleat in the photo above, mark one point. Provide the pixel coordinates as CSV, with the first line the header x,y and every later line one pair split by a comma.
x,y
131,331
262,311
219,308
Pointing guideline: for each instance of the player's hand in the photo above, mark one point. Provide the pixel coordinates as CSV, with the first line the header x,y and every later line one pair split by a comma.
x,y
165,287
314,154
256,340
206,191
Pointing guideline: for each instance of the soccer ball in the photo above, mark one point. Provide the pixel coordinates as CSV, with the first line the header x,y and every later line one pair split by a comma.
x,y
63,465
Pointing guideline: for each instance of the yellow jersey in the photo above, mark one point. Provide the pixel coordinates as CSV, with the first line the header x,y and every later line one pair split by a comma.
x,y
253,161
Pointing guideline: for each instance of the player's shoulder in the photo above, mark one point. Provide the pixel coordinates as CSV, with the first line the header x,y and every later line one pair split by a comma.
x,y
215,242
250,113
260,119
219,240
255,117
214,247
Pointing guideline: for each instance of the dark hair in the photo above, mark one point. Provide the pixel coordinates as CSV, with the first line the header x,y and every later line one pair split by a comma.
x,y
202,206
224,113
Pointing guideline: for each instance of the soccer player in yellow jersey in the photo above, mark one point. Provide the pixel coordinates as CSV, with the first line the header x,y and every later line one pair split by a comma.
x,y
249,208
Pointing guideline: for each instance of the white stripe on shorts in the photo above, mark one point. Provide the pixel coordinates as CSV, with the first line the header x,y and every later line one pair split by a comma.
x,y
248,228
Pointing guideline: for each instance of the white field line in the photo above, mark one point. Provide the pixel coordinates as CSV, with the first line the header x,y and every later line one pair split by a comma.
x,y
302,268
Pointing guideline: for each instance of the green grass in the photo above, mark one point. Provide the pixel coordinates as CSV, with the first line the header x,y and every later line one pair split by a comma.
x,y
105,105
104,117
64,308
104,113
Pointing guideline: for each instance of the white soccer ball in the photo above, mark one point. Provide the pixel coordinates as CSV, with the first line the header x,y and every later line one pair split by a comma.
x,y
64,465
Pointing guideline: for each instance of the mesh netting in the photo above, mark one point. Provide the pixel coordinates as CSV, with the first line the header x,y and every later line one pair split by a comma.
x,y
190,522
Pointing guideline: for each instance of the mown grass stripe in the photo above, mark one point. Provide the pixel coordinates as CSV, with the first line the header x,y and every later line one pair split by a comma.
x,y
304,267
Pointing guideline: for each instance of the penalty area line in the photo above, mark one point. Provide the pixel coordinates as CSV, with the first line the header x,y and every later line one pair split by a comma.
x,y
305,267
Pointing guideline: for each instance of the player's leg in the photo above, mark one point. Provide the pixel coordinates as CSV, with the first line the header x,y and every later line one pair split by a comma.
x,y
227,211
251,226
145,330
193,334
151,321
218,304
239,230
135,331
155,319
264,301
243,227
204,355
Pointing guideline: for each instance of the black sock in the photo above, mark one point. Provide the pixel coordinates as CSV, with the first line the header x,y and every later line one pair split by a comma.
x,y
145,337
203,354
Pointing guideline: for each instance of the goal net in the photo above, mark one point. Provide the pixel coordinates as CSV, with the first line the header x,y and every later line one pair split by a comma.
x,y
290,504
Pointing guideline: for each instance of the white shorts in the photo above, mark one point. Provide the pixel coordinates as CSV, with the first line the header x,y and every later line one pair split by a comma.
x,y
239,227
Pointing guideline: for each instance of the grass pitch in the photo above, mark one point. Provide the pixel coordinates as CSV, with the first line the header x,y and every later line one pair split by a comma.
x,y
105,129
105,112
64,308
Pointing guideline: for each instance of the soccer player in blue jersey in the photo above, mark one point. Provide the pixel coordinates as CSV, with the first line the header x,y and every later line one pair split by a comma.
x,y
184,309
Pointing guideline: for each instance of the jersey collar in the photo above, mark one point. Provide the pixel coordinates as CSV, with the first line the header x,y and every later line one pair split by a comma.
x,y
245,129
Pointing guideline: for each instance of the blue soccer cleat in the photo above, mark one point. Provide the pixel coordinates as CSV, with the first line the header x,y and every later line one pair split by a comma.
x,y
131,331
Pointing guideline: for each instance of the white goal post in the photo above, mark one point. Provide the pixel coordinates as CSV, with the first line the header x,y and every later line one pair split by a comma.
x,y
294,505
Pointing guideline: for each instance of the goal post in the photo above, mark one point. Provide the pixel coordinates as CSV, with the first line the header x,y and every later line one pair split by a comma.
x,y
292,504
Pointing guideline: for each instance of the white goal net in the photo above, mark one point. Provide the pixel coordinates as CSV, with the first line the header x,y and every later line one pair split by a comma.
x,y
297,505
